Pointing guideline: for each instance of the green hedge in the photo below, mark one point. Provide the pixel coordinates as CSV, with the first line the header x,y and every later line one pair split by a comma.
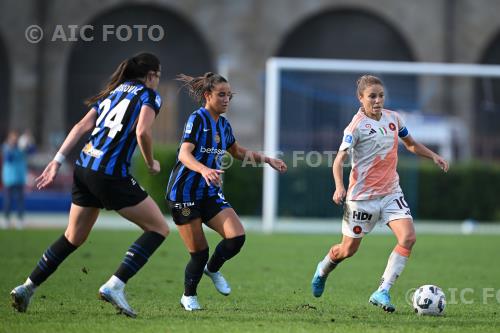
x,y
466,191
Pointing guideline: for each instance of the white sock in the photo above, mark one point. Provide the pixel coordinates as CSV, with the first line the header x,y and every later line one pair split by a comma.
x,y
326,266
115,283
393,270
29,284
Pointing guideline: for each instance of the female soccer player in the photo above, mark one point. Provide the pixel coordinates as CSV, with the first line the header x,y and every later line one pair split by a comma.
x,y
194,192
374,193
121,116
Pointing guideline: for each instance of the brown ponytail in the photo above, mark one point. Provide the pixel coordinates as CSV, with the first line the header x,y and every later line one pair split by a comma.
x,y
197,86
132,68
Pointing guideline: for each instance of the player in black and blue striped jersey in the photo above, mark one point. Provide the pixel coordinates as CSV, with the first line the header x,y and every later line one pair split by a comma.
x,y
121,116
194,192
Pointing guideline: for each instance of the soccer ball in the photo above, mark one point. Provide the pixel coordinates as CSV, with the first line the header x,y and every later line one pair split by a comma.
x,y
429,300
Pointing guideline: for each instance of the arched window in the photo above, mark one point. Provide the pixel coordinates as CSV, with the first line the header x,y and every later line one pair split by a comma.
x,y
182,49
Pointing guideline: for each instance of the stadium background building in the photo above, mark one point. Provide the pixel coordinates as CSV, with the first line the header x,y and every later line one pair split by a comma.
x,y
43,84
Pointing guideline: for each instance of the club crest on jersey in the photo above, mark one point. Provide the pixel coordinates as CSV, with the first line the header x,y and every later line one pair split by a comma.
x,y
91,151
348,138
392,127
217,138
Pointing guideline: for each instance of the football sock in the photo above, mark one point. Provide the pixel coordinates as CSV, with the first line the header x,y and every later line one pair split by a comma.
x,y
51,259
225,250
194,271
138,254
395,265
115,283
327,265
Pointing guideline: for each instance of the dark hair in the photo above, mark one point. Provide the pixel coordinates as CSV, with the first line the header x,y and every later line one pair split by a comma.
x,y
197,86
365,81
132,68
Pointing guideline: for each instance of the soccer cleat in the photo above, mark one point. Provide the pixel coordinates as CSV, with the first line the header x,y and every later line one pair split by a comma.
x,y
117,298
383,299
190,303
318,282
219,282
21,296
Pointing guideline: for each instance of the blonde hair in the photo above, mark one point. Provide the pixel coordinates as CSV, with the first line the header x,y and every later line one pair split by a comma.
x,y
365,81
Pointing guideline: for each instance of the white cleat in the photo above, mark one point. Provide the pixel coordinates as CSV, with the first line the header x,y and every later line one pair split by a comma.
x,y
21,297
117,298
219,282
190,303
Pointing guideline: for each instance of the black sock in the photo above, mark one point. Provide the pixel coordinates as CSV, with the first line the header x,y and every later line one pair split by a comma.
x,y
194,271
51,259
225,250
138,254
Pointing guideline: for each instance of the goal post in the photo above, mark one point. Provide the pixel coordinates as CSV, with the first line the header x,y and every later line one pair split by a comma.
x,y
274,70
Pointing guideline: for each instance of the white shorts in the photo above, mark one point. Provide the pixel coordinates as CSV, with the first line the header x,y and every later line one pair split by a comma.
x,y
361,216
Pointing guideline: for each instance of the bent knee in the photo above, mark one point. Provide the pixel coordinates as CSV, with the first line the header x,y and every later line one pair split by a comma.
x,y
347,251
408,241
75,239
162,229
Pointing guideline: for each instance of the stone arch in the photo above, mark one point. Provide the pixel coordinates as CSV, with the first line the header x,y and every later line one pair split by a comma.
x,y
182,50
340,34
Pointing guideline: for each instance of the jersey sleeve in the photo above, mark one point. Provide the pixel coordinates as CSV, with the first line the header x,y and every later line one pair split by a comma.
x,y
349,139
192,129
230,139
402,130
96,106
151,98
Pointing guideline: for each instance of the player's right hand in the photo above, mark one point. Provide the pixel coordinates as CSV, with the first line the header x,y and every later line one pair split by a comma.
x,y
48,175
155,168
339,196
212,176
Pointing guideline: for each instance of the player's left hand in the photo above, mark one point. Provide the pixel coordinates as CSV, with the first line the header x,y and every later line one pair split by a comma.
x,y
441,163
48,175
278,165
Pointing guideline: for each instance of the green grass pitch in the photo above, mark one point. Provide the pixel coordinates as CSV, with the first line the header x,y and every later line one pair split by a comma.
x,y
270,279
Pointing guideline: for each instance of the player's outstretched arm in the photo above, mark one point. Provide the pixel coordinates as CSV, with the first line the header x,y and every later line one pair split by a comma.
x,y
144,136
421,150
82,127
338,176
241,153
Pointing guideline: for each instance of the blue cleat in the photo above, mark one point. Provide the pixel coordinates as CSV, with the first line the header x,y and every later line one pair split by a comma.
x,y
383,299
117,298
21,296
318,283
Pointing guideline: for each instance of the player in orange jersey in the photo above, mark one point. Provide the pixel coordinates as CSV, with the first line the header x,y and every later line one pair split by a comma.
x,y
374,193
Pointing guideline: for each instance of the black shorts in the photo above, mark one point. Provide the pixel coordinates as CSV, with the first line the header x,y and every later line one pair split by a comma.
x,y
94,189
206,209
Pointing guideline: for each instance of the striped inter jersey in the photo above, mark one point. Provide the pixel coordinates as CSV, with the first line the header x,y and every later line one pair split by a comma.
x,y
211,139
374,152
111,144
